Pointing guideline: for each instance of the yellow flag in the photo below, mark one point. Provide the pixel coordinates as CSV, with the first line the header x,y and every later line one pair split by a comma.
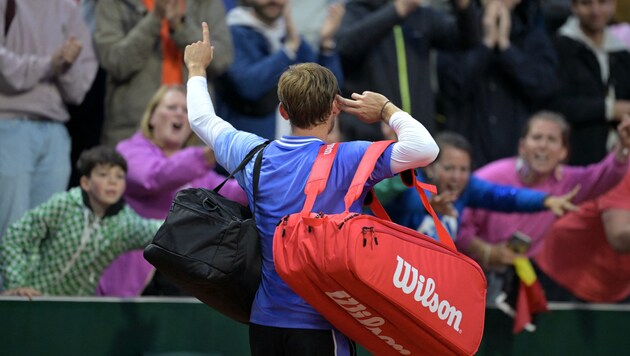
x,y
525,270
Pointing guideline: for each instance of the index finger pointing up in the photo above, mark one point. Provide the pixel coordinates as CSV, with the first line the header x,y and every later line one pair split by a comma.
x,y
205,32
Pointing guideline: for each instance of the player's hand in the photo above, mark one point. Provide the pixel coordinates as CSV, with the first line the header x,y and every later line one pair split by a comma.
x,y
199,55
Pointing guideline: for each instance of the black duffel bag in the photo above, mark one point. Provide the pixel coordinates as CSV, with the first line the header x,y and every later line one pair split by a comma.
x,y
209,246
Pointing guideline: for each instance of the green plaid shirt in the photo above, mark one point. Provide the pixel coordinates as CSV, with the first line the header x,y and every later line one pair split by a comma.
x,y
61,247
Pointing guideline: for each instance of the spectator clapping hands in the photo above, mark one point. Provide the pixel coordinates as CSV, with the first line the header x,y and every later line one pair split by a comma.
x,y
330,26
293,39
497,25
170,10
65,56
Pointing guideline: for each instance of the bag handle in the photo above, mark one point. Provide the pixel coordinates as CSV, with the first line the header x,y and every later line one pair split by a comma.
x,y
319,176
408,177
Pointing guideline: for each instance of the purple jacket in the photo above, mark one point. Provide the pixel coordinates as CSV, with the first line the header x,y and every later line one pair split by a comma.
x,y
153,179
152,182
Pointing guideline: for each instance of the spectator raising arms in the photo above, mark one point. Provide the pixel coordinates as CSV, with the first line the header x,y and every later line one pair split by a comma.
x,y
385,45
266,42
310,15
140,44
542,149
489,91
450,173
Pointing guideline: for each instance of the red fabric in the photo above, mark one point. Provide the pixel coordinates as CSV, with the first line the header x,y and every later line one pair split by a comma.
x,y
389,288
172,57
577,255
530,300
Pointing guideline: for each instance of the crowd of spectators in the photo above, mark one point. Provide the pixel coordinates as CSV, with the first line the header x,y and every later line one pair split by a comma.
x,y
529,101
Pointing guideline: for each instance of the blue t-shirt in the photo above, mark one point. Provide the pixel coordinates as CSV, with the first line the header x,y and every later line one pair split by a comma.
x,y
285,169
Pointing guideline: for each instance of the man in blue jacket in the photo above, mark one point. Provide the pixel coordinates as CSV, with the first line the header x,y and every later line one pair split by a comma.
x,y
265,44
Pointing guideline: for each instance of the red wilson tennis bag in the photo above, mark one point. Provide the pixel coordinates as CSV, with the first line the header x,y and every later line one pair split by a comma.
x,y
391,289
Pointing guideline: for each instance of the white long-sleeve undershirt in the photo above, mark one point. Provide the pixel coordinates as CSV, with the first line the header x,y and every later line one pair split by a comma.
x,y
201,115
415,147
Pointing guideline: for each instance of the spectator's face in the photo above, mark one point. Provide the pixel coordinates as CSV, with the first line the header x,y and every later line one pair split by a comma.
x,y
451,171
542,148
268,11
105,185
169,121
594,15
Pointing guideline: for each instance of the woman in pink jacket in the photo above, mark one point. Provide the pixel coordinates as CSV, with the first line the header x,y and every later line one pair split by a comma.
x,y
542,149
162,160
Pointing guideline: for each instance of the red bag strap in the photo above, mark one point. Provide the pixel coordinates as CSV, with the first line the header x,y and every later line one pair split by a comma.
x,y
319,175
443,235
375,205
366,166
364,170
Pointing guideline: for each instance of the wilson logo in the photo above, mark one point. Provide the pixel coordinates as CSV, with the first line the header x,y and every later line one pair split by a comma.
x,y
409,280
329,149
360,313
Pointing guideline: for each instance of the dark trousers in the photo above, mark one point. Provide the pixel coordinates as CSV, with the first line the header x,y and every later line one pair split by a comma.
x,y
272,341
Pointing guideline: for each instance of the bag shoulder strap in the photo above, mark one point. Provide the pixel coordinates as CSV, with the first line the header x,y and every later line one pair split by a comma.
x,y
364,171
242,165
375,205
319,175
443,235
257,166
366,166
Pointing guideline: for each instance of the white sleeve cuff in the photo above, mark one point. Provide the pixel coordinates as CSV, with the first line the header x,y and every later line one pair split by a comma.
x,y
415,147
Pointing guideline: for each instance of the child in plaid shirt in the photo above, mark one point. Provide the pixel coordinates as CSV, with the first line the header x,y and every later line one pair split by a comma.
x,y
62,246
